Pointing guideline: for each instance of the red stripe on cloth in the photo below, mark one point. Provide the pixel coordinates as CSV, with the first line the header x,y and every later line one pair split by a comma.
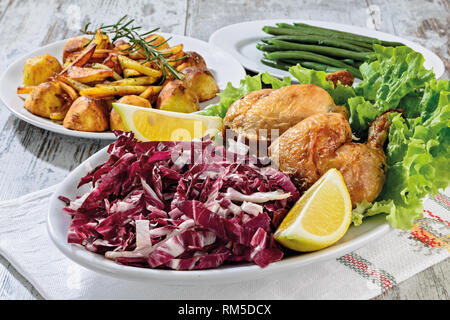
x,y
436,217
440,198
367,270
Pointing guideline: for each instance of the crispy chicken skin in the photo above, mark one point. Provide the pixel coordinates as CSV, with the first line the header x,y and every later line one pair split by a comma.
x,y
345,77
323,141
277,109
304,150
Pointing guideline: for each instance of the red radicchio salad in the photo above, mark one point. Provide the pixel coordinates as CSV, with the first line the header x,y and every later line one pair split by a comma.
x,y
180,205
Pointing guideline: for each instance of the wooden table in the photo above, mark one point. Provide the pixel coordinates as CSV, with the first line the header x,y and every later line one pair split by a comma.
x,y
32,159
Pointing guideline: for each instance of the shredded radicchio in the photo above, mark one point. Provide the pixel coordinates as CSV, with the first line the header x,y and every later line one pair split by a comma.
x,y
180,205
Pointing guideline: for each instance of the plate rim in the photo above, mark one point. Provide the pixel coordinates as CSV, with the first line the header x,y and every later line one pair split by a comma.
x,y
85,134
231,274
280,73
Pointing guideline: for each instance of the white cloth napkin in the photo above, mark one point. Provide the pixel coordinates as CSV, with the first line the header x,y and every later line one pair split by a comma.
x,y
362,274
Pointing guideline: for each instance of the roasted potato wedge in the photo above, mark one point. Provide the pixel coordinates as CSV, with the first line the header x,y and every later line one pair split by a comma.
x,y
193,60
158,41
86,75
126,62
46,99
176,96
26,89
115,121
115,75
112,61
73,83
150,92
101,40
87,114
201,81
110,91
172,50
74,45
82,58
137,81
72,93
38,69
129,73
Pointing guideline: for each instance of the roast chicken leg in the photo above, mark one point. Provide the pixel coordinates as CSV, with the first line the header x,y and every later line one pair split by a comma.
x,y
324,141
261,111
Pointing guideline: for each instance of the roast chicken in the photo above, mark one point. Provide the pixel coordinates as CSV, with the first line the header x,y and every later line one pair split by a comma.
x,y
257,113
324,141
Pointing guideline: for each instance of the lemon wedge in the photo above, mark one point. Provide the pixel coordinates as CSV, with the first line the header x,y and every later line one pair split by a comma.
x,y
159,125
320,217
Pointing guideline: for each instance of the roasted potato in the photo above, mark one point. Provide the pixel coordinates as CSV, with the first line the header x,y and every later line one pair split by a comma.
x,y
115,75
154,39
201,81
79,59
96,72
73,83
115,121
193,60
87,114
126,62
158,41
25,89
86,75
46,99
128,73
151,93
137,81
38,69
74,45
112,61
176,96
111,91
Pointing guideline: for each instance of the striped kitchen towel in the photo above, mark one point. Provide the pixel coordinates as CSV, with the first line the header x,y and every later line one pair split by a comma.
x,y
362,274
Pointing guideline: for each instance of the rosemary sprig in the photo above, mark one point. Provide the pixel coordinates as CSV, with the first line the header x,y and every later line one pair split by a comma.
x,y
124,29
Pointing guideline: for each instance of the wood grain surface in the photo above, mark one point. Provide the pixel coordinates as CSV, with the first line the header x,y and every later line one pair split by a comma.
x,y
32,159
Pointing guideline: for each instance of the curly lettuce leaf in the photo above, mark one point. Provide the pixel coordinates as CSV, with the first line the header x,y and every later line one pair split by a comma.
x,y
395,80
418,158
275,82
362,113
340,94
397,72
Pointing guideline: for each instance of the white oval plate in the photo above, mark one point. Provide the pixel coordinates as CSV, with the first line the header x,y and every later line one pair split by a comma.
x,y
58,224
224,67
240,41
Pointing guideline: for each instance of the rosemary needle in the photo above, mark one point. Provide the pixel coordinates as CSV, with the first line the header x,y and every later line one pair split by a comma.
x,y
124,29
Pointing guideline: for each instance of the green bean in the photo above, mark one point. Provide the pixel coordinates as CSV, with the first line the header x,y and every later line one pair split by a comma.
x,y
276,64
313,65
328,51
309,56
266,47
312,39
346,35
296,32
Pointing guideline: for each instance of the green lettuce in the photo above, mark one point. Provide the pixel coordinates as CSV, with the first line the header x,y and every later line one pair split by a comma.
x,y
340,94
418,159
397,72
275,83
362,113
395,80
